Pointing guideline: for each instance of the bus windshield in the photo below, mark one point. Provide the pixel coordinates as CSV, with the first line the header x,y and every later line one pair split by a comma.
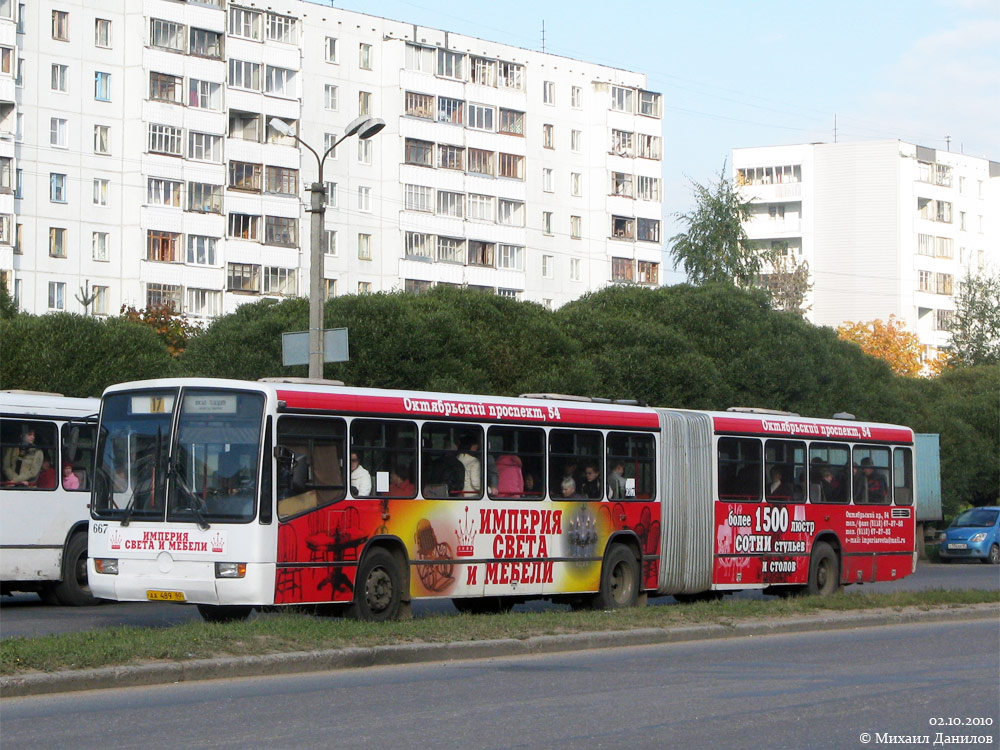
x,y
206,474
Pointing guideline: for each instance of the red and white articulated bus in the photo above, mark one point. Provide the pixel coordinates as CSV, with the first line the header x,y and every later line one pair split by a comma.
x,y
233,495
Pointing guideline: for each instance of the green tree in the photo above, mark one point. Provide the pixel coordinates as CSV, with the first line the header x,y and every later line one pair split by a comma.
x,y
714,246
8,305
975,328
787,281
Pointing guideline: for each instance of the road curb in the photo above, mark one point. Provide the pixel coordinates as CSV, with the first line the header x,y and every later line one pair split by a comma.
x,y
414,653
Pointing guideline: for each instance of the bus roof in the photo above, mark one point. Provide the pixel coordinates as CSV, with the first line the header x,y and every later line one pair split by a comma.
x,y
35,403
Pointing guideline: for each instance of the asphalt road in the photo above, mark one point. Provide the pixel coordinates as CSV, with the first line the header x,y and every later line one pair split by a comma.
x,y
25,615
811,690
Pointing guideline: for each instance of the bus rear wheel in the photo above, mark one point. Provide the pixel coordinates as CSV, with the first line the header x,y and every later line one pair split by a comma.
x,y
224,613
824,571
378,588
619,580
74,588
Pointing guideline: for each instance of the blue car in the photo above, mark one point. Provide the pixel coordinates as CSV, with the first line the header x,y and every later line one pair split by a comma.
x,y
974,534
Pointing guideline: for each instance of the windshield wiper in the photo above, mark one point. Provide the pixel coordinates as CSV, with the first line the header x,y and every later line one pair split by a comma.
x,y
193,500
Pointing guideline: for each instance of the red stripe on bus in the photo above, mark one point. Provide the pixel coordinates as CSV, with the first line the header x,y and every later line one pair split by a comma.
x,y
792,427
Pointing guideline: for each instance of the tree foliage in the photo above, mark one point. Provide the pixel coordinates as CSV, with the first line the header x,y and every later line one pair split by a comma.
x,y
887,340
975,328
788,284
170,326
77,355
714,246
8,305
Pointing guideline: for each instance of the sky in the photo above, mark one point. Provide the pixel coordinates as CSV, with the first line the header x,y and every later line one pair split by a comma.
x,y
769,72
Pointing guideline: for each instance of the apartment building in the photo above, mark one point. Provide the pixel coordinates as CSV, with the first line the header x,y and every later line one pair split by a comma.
x,y
887,227
138,165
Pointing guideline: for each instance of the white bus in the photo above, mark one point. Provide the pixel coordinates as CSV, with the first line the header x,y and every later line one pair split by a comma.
x,y
47,449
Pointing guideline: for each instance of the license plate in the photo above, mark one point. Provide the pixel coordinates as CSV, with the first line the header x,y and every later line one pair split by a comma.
x,y
165,596
958,546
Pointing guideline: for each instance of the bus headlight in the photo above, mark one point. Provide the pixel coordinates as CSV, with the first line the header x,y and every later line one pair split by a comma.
x,y
106,565
230,570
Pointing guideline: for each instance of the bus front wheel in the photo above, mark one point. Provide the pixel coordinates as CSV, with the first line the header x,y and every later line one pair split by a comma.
x,y
824,571
378,588
619,580
74,588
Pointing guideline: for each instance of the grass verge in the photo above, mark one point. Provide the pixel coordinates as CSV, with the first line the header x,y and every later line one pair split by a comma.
x,y
288,632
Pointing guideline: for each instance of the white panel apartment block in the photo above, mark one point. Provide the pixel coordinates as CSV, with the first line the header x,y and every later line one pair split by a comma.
x,y
121,107
887,227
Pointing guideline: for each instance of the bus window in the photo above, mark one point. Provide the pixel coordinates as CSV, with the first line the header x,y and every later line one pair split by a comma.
x,y
631,466
575,461
383,449
77,456
29,454
871,475
902,476
310,453
515,464
739,470
451,461
784,471
829,473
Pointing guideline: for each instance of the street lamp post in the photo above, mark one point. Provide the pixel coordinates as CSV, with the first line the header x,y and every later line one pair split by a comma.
x,y
364,127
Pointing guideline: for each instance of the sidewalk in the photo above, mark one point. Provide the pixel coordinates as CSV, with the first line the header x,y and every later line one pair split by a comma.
x,y
350,658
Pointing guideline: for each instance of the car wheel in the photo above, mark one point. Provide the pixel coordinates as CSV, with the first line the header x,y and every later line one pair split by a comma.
x,y
994,557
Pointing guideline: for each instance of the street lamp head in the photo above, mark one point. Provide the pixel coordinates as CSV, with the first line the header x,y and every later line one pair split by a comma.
x,y
281,126
370,128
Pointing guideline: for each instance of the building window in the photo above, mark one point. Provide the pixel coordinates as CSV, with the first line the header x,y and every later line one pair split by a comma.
x,y
167,35
450,110
649,272
418,198
650,104
329,139
548,181
101,190
57,242
925,281
280,230
510,212
649,147
205,95
245,176
450,204
546,222
419,245
621,99
201,250
60,27
576,183
511,165
622,227
480,207
416,286
648,188
575,140
163,246
548,137
481,162
510,75
450,250
934,210
621,269
102,86
282,181
330,97
60,75
548,92
205,43
575,227
330,193
364,103
364,198
330,242
58,132
481,253
548,266
365,56
283,29
203,303
364,246
280,82
57,295
511,122
5,224
330,49
165,88
622,142
419,152
102,32
364,287
280,281
244,126
245,23
205,147
164,139
364,151
102,139
244,75
450,64
943,319
57,187
243,277
99,245
943,283
100,302
419,105
484,71
244,227
944,247
510,257
480,117
163,295
574,269
649,230
575,97
420,59
451,157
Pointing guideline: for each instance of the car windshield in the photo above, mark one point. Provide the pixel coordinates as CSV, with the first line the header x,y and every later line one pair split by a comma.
x,y
976,517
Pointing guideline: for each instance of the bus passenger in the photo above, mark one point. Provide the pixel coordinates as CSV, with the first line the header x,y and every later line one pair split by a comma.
x,y
21,463
399,485
859,485
361,480
567,488
46,477
472,482
616,482
445,475
510,481
778,488
829,491
70,481
592,486
875,482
